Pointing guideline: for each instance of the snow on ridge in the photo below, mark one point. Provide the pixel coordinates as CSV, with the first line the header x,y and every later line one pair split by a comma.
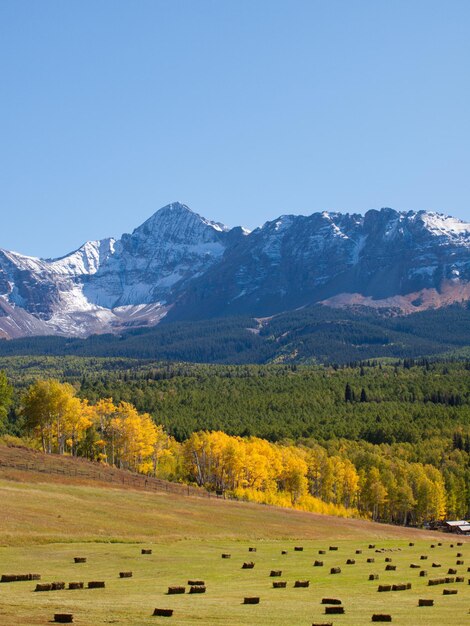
x,y
440,224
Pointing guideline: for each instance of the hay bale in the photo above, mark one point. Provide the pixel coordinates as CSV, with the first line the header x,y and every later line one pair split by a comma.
x,y
414,566
451,570
331,601
175,590
459,555
449,580
401,587
76,585
423,572
459,579
381,617
163,612
358,551
322,624
276,572
390,568
432,545
388,559
146,551
63,618
411,544
249,565
459,562
125,574
436,565
79,559
333,548
251,600
439,544
301,583
251,549
423,557
334,610
279,584
318,564
96,584
459,543
351,562
226,556
14,578
373,576
424,602
196,583
321,551
371,559
382,588
43,587
58,586
449,592
335,570
197,589
298,549
283,551
371,546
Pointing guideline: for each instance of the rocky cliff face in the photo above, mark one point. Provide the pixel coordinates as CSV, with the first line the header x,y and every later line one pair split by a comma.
x,y
179,264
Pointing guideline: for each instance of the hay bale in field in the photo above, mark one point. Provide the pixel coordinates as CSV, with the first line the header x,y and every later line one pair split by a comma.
x,y
279,584
251,600
390,568
163,612
318,564
335,570
449,580
451,545
196,583
371,546
76,585
275,572
333,548
373,577
321,551
436,565
251,549
382,588
358,551
451,570
146,551
226,556
459,543
175,590
14,578
322,624
401,587
351,562
125,574
301,583
43,587
381,617
459,579
459,555
411,544
414,566
283,551
331,601
57,586
439,544
249,565
334,610
432,545
449,592
423,572
197,589
436,581
96,584
459,562
298,549
63,618
423,557
371,559
424,602
79,559
388,559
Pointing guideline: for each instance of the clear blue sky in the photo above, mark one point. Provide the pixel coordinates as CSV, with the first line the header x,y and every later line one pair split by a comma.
x,y
242,109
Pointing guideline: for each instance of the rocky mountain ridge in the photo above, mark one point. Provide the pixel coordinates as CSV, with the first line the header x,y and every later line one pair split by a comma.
x,y
181,266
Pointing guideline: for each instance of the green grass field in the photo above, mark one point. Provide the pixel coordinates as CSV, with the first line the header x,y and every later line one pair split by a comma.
x,y
44,525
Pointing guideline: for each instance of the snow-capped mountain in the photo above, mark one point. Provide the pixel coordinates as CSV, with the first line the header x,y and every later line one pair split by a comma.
x,y
180,265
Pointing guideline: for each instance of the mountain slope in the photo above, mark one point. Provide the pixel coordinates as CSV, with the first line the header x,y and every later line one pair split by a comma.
x,y
182,266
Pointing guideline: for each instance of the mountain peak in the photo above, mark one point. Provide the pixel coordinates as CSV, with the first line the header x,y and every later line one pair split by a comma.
x,y
175,217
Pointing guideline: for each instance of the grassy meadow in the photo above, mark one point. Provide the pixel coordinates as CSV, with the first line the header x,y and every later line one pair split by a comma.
x,y
45,523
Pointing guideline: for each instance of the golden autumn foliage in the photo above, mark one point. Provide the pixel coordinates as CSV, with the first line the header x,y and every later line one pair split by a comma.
x,y
336,481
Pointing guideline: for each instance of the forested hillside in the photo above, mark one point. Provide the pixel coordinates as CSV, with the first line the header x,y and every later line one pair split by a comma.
x,y
389,440
317,334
